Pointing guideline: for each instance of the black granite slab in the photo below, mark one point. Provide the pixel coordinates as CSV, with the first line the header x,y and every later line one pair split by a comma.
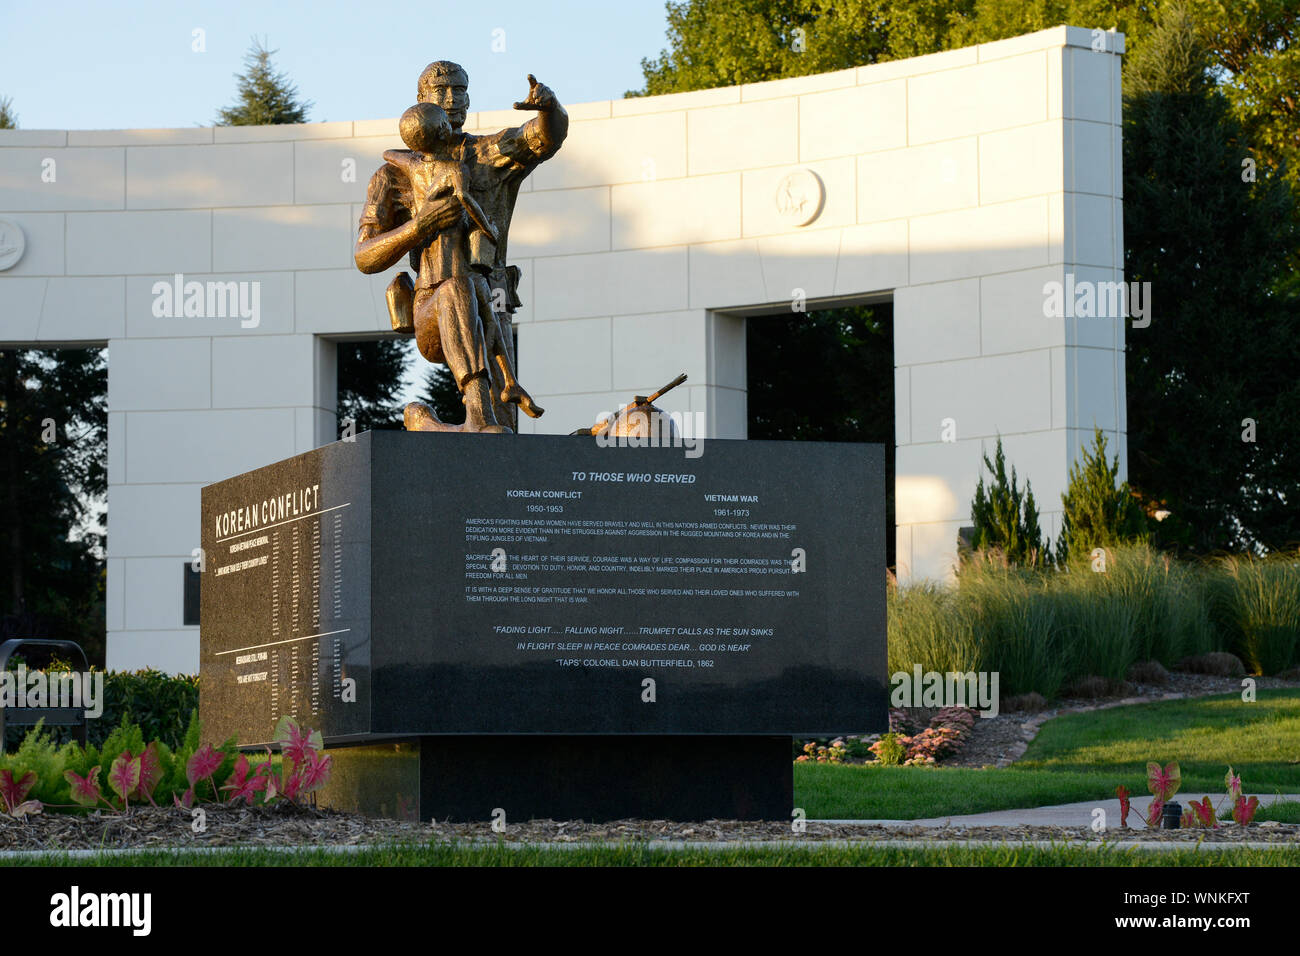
x,y
596,777
384,575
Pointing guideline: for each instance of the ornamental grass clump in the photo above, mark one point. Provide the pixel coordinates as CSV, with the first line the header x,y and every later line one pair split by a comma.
x,y
1257,603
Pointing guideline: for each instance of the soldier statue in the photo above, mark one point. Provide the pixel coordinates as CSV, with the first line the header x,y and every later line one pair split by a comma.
x,y
455,222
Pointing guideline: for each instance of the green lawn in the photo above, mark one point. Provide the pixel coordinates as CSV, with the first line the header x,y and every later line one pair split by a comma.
x,y
1260,740
1284,811
1082,757
640,854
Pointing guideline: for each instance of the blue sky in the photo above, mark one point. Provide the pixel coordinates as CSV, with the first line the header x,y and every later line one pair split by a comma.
x,y
111,65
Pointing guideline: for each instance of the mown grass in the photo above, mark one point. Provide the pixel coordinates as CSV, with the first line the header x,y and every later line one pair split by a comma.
x,y
1042,630
1206,735
1284,811
647,855
1082,756
865,792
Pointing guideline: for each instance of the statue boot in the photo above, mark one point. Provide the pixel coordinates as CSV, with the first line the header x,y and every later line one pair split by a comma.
x,y
476,393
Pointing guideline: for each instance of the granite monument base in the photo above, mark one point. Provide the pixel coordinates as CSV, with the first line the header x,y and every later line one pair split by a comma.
x,y
595,778
548,626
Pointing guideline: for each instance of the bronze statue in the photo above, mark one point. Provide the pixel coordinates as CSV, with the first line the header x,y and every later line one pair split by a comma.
x,y
446,202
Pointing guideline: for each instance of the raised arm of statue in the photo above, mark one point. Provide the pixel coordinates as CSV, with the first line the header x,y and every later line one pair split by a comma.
x,y
539,138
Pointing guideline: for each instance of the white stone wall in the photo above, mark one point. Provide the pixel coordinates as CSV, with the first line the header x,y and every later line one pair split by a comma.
x,y
959,183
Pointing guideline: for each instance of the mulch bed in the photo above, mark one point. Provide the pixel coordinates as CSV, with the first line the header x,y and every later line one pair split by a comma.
x,y
160,827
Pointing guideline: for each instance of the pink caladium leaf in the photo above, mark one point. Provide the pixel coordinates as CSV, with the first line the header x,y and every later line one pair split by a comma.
x,y
1164,783
243,785
1233,785
290,787
1188,819
1154,811
124,776
151,772
85,790
297,744
317,772
1122,792
1243,811
187,800
13,791
1205,814
203,764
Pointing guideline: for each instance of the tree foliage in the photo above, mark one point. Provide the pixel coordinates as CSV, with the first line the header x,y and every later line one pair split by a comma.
x,y
1006,518
1223,345
266,97
441,393
714,43
53,425
370,382
825,375
1208,84
8,118
1098,510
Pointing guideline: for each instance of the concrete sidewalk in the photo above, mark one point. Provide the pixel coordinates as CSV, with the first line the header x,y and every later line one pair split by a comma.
x,y
1070,814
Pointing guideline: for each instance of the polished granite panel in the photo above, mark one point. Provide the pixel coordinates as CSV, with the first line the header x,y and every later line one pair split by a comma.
x,y
484,585
595,778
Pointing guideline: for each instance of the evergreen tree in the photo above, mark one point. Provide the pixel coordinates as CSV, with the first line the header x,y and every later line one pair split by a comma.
x,y
441,393
369,373
1097,512
8,118
1006,519
266,97
1223,345
370,381
852,353
53,427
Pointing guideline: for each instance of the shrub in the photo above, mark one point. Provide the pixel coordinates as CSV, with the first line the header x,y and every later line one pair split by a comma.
x,y
1216,664
944,737
812,751
1148,672
1031,703
161,704
889,750
1006,519
1097,513
1090,687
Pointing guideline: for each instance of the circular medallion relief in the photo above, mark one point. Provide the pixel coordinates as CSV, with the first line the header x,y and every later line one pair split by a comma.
x,y
799,197
12,243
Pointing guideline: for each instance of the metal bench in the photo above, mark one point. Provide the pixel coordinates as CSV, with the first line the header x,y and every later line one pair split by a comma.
x,y
53,716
